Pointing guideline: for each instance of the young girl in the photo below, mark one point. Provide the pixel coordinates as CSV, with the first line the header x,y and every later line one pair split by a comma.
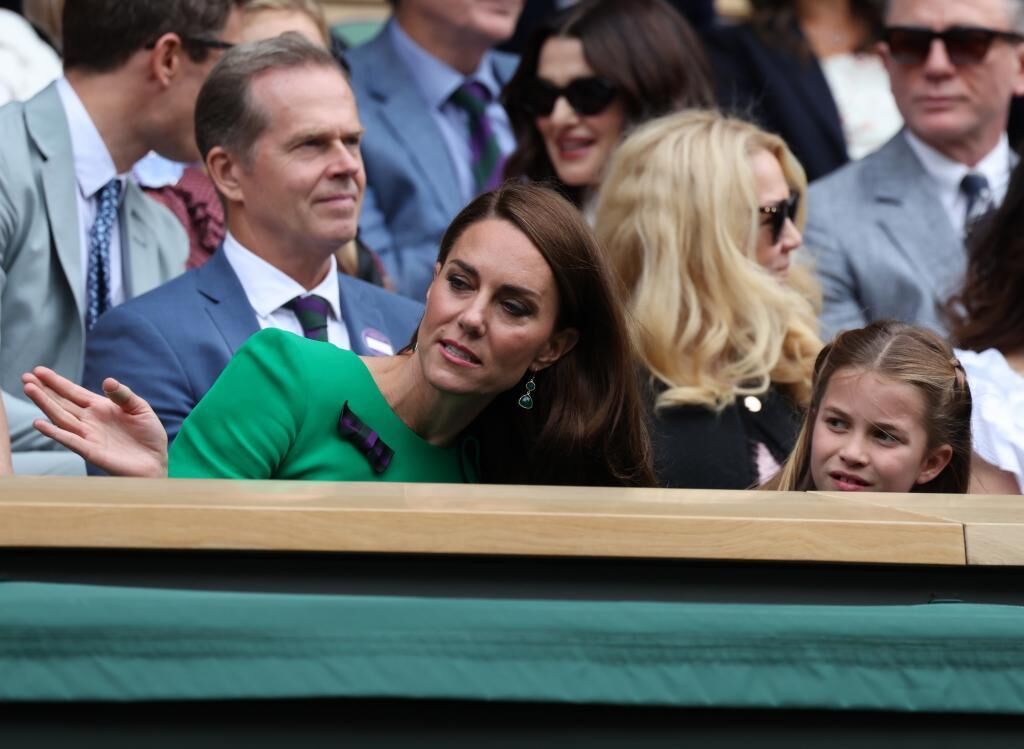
x,y
890,412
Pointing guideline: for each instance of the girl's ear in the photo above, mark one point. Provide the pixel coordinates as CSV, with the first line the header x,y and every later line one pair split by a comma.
x,y
934,463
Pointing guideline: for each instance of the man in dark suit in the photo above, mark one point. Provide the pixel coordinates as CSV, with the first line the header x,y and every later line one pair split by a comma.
x,y
413,84
887,232
280,134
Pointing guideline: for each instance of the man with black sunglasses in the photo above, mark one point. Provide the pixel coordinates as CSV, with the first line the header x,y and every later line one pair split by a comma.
x,y
888,232
77,236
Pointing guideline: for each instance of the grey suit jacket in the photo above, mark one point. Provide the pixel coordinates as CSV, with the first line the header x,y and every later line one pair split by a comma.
x,y
42,294
412,191
882,243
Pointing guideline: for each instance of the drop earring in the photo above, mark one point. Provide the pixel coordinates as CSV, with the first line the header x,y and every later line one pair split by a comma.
x,y
526,399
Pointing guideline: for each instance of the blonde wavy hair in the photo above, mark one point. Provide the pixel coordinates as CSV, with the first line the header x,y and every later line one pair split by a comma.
x,y
677,213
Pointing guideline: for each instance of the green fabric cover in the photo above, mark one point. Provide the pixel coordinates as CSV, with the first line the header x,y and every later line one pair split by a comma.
x,y
70,642
273,414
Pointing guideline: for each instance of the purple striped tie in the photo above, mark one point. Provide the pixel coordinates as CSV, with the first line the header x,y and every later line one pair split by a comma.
x,y
311,310
486,161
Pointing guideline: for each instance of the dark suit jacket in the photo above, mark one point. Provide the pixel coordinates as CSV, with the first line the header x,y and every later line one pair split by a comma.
x,y
171,344
781,92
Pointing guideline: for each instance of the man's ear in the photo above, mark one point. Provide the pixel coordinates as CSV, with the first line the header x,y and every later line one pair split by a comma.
x,y
223,169
934,463
882,49
1018,78
557,346
165,58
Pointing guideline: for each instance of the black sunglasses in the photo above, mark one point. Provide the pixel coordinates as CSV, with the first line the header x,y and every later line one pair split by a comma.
x,y
779,212
587,96
965,45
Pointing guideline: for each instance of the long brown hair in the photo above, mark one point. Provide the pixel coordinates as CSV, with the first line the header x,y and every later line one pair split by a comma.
x,y
587,425
645,48
910,355
989,312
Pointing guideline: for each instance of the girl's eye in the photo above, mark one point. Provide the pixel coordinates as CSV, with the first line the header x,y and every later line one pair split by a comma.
x,y
886,437
834,422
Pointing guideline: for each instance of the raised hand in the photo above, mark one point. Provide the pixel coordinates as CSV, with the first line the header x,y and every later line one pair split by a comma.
x,y
118,433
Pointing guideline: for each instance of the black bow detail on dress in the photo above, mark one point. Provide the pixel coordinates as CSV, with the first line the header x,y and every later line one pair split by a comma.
x,y
366,440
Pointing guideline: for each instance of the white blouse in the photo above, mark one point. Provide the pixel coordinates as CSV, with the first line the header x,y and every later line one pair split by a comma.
x,y
997,418
860,87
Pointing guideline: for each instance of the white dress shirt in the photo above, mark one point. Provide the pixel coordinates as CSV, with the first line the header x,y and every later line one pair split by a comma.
x,y
94,168
947,175
268,289
437,81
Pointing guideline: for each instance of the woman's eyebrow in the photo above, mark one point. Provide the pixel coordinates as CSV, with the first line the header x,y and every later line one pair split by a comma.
x,y
505,287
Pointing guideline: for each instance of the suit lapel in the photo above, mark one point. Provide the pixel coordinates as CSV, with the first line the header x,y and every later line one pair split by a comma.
x,y
412,126
912,216
141,269
367,331
225,301
47,126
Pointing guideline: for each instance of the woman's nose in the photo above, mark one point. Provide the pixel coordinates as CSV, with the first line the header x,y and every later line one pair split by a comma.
x,y
791,236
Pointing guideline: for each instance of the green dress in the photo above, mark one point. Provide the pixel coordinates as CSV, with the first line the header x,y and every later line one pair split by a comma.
x,y
273,414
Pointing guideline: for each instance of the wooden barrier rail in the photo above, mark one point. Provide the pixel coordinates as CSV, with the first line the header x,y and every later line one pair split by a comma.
x,y
510,520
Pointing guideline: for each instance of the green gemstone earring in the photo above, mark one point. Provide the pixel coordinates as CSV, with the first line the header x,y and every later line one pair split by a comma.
x,y
526,399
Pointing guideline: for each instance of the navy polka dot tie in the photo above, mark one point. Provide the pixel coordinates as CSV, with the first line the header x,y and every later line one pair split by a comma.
x,y
98,276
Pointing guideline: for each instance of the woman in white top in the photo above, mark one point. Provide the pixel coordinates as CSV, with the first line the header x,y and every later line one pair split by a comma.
x,y
988,329
808,70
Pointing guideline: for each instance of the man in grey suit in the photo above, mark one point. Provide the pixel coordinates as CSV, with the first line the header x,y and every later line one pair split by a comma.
x,y
887,232
416,84
76,236
278,128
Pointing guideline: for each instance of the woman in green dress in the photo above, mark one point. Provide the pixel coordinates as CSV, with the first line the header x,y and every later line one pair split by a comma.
x,y
520,372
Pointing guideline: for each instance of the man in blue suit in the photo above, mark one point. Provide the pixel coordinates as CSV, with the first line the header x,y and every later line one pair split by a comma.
x,y
420,160
278,128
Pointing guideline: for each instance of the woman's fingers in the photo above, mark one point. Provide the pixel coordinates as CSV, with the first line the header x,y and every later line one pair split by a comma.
x,y
64,387
70,440
53,408
124,398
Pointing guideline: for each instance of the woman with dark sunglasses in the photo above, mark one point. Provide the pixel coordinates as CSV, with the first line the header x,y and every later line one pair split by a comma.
x,y
808,70
588,76
700,215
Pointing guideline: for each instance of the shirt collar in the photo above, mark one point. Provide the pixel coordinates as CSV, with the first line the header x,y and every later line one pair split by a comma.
x,y
437,80
268,288
995,166
94,166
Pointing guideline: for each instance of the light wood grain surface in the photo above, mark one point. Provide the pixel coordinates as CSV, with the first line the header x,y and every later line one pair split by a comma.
x,y
993,525
549,521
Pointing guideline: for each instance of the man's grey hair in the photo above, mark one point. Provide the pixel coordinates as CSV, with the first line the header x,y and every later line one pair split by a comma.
x,y
1015,7
226,114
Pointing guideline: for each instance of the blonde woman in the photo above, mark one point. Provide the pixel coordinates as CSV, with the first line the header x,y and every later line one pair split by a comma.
x,y
700,214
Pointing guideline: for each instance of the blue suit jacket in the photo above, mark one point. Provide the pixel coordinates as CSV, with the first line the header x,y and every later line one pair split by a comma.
x,y
171,344
412,192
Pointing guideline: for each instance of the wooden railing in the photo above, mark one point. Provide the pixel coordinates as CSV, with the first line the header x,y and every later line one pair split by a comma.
x,y
510,520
